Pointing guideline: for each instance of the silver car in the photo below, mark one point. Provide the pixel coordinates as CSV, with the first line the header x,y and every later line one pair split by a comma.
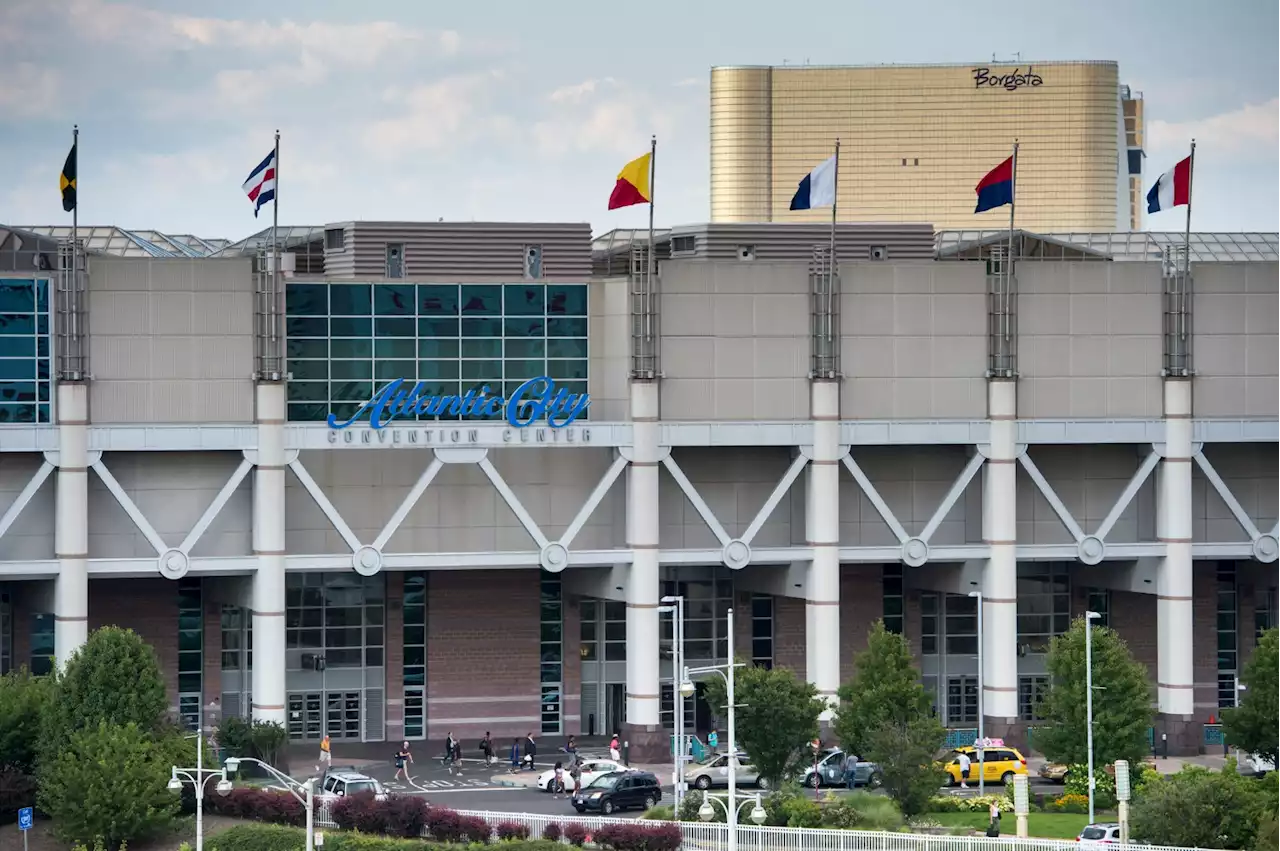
x,y
831,771
714,771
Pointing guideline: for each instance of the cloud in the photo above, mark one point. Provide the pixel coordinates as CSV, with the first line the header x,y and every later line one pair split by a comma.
x,y
605,116
578,92
437,115
29,91
1251,131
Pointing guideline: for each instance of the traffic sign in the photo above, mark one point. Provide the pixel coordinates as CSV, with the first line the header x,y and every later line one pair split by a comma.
x,y
26,817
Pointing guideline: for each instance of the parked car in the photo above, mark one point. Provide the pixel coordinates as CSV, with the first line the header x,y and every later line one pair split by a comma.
x,y
714,771
619,790
831,771
341,784
999,764
1099,834
1252,764
591,769
1056,772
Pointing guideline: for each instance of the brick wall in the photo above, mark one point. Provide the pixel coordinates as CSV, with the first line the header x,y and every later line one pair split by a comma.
x,y
211,687
788,635
1133,616
394,649
861,605
1205,639
571,706
482,653
149,607
23,609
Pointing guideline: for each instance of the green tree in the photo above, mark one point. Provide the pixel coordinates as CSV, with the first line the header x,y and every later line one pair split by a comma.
x,y
1122,697
905,752
777,717
885,689
1253,725
24,699
108,781
1198,808
114,679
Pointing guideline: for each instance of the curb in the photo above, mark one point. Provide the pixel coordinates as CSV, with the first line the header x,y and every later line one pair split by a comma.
x,y
500,780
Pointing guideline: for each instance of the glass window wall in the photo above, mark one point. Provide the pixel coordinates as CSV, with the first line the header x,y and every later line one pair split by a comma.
x,y
893,617
333,620
1044,604
190,652
552,654
345,340
42,648
415,655
25,379
762,630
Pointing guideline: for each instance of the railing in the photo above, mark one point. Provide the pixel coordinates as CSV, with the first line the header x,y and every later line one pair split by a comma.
x,y
1213,735
695,749
706,837
962,737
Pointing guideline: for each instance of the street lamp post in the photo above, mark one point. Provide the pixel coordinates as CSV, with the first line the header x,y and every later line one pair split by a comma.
x,y
757,816
308,800
1089,618
982,710
675,605
198,777
726,671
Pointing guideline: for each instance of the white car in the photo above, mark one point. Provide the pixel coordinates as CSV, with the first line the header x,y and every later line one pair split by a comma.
x,y
340,784
1099,834
591,769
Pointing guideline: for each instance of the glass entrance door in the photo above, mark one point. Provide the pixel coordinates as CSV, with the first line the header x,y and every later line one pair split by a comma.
x,y
313,714
305,716
342,716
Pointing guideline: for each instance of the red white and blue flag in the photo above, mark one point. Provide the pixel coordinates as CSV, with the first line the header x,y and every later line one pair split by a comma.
x,y
1172,189
261,185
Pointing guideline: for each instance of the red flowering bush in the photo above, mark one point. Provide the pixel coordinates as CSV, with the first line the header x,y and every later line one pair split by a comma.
x,y
553,831
636,837
512,830
576,834
265,805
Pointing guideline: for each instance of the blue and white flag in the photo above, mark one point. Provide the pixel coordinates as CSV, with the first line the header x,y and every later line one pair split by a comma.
x,y
818,189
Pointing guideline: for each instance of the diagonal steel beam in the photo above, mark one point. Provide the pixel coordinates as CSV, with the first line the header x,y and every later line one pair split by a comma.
x,y
771,504
322,501
406,505
949,501
25,496
513,502
1233,505
1136,481
695,499
873,496
144,526
1051,497
215,508
593,501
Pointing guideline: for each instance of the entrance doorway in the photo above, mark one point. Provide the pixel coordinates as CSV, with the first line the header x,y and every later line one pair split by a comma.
x,y
313,714
615,708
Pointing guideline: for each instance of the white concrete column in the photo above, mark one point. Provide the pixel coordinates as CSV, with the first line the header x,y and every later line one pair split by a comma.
x,y
269,547
642,587
71,522
822,533
999,584
1175,674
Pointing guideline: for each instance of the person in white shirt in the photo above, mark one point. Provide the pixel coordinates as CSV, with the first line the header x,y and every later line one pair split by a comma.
x,y
963,762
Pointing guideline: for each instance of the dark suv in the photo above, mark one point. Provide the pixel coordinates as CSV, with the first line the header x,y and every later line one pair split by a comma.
x,y
619,790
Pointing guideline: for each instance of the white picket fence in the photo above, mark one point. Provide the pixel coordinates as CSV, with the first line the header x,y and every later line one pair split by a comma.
x,y
715,837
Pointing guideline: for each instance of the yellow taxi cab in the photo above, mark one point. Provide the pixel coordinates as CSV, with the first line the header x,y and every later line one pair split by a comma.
x,y
999,763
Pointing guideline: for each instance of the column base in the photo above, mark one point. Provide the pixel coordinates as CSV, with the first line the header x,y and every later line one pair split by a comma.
x,y
647,745
1013,731
1182,735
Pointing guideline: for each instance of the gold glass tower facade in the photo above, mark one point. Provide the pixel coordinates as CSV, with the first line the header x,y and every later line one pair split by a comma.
x,y
916,139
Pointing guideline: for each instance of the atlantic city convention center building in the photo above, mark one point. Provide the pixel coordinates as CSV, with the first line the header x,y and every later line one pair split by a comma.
x,y
293,487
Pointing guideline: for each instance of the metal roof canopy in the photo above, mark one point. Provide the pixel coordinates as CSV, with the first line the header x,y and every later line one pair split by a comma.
x,y
1139,246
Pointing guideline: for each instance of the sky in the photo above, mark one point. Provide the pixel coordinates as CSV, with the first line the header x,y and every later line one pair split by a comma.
x,y
514,111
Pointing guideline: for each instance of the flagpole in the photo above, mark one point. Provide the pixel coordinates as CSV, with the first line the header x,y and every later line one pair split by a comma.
x,y
828,331
1191,178
1013,197
275,249
653,173
75,209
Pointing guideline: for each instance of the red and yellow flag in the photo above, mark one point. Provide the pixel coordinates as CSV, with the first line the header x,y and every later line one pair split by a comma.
x,y
633,183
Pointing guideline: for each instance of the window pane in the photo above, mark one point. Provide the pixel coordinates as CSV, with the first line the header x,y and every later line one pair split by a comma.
x,y
350,299
437,300
490,348
481,300
567,348
351,327
567,299
307,299
524,300
394,300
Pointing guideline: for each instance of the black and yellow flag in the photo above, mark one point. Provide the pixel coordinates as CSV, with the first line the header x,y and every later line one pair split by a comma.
x,y
67,182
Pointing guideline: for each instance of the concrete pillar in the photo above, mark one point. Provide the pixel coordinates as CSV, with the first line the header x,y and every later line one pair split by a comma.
x,y
1174,621
999,583
71,523
269,547
822,532
643,725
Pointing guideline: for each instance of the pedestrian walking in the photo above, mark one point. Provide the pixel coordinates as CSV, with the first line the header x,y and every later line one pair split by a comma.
x,y
713,741
326,755
515,756
993,827
615,752
530,751
403,760
850,771
557,780
455,763
963,762
446,758
575,774
486,748
571,747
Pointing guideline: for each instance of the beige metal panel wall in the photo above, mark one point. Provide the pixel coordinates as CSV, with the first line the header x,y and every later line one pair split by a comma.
x,y
1249,472
172,490
451,252
735,482
171,341
913,340
795,242
741,144
31,537
912,481
1088,480
609,347
461,511
735,341
1235,346
915,141
1089,339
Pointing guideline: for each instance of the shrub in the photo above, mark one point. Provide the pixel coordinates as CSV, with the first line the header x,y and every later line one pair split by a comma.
x,y
977,804
692,803
109,782
1070,803
260,837
17,790
265,805
257,739
1104,790
802,811
874,812
1197,808
553,831
639,837
360,812
475,829
512,830
662,812
23,701
406,815
576,833
841,814
1268,834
